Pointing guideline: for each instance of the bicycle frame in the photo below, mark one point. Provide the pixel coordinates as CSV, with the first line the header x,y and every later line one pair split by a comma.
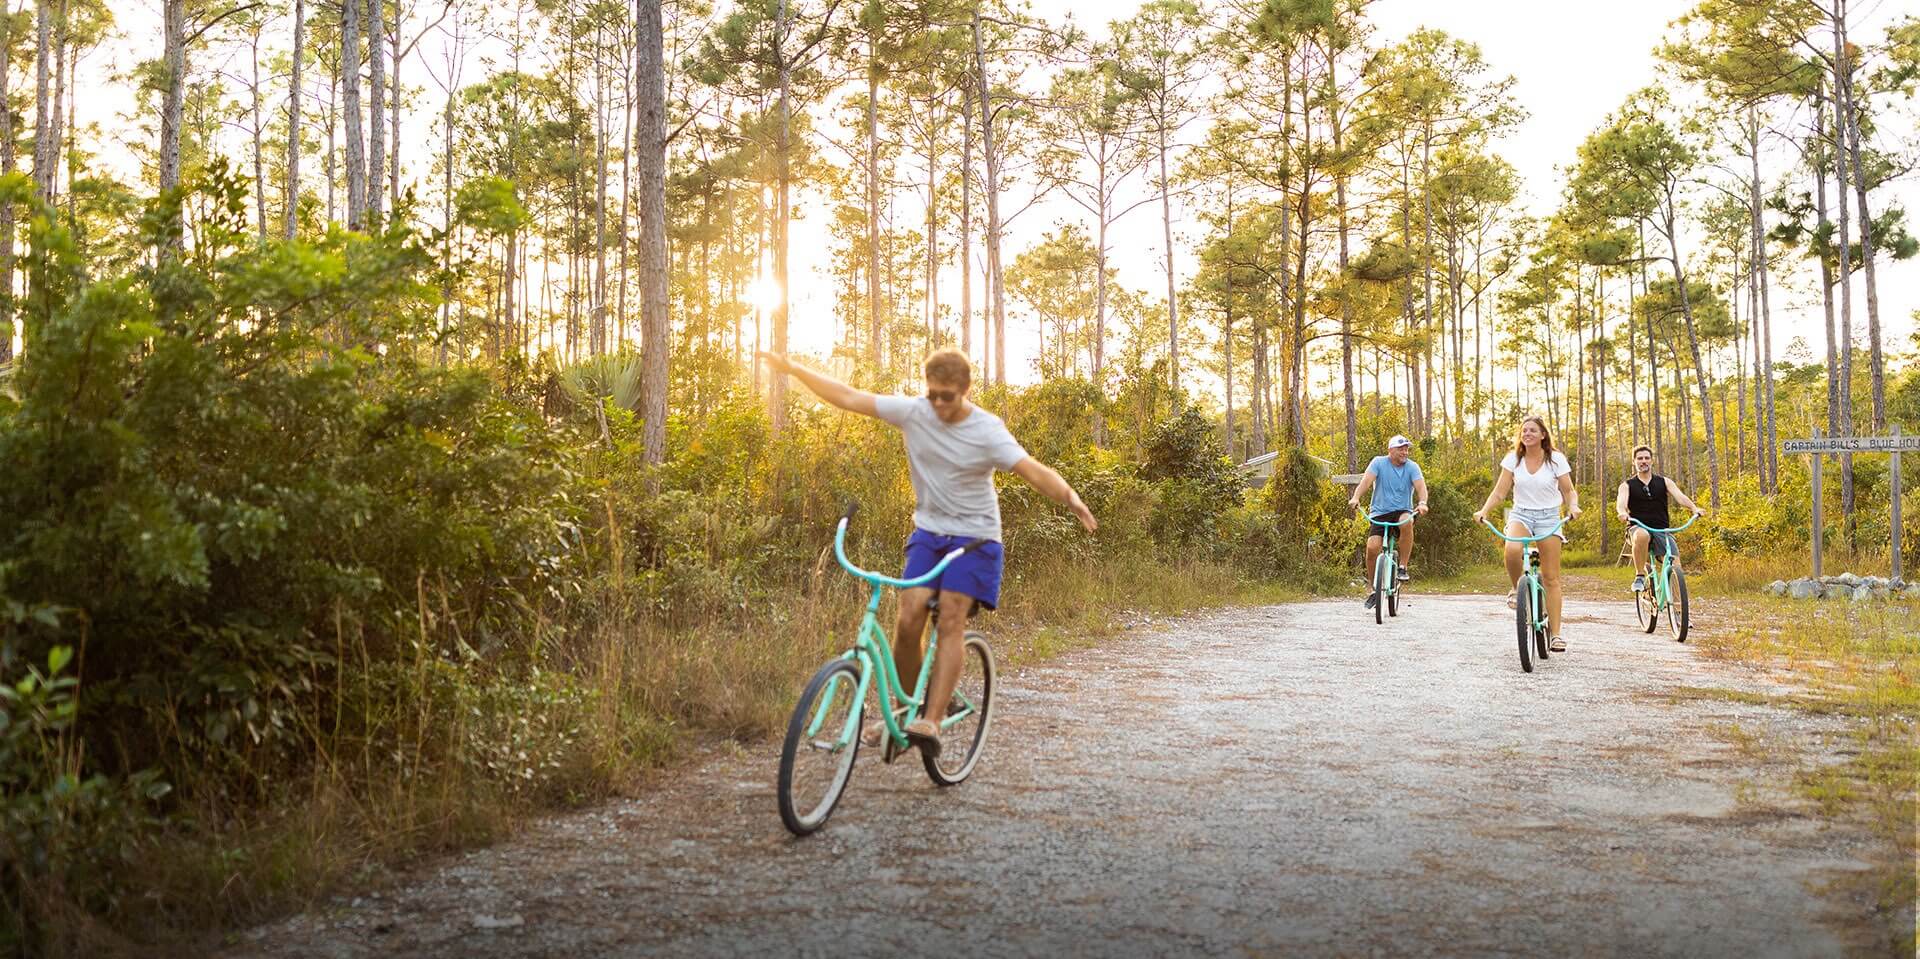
x,y
872,651
1530,568
1661,567
1390,548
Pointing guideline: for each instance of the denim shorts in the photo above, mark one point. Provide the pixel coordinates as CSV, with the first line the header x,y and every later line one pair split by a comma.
x,y
975,574
1538,520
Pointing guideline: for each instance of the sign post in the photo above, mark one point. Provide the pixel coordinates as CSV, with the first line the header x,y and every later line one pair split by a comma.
x,y
1820,445
1895,490
1818,495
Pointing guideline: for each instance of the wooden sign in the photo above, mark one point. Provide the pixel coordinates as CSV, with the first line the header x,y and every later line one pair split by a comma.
x,y
1853,444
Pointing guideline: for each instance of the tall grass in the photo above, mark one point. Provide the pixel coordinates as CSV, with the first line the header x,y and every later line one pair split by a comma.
x,y
647,694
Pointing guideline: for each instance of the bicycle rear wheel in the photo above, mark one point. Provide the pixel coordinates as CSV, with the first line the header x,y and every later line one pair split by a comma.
x,y
964,741
1677,613
823,739
1523,622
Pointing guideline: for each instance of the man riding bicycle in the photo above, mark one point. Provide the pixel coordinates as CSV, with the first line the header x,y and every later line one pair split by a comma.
x,y
1644,496
1398,489
953,449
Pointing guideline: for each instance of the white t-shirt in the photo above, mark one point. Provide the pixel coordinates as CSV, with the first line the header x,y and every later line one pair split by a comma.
x,y
952,465
1537,490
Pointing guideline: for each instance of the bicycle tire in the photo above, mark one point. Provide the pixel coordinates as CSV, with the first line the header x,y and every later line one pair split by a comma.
x,y
1523,622
803,822
1646,607
1393,599
1677,619
1382,568
953,766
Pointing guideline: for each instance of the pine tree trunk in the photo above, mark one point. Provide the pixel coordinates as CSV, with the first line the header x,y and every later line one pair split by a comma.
x,y
600,98
873,204
394,55
996,281
259,144
1166,227
172,103
966,225
350,19
1693,346
8,163
1837,148
173,14
1416,415
783,159
1876,362
1763,383
1288,434
376,107
1227,325
61,34
1426,271
933,220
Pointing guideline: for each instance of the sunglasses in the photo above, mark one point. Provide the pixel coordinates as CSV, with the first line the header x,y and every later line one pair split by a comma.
x,y
943,396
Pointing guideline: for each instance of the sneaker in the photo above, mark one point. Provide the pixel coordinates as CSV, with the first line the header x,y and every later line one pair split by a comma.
x,y
1639,583
1373,599
1404,575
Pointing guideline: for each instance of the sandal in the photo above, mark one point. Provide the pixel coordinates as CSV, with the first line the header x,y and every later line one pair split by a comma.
x,y
1557,645
924,734
870,736
1513,598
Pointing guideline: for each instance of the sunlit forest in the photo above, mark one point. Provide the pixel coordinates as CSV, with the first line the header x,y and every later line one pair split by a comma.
x,y
385,458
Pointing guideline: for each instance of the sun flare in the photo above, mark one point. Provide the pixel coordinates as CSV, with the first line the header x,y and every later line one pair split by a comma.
x,y
764,293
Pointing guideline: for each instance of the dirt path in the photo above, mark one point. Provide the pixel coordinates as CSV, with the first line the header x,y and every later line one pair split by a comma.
x,y
1280,780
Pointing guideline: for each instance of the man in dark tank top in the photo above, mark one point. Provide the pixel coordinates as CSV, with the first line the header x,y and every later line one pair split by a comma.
x,y
1644,496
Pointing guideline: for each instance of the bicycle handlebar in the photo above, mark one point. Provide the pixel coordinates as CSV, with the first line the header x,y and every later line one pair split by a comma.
x,y
881,579
1523,539
1673,529
1402,521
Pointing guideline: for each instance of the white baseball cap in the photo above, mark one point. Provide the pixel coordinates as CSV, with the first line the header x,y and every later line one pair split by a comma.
x,y
1398,441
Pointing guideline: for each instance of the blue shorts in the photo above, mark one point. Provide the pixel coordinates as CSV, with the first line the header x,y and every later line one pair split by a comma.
x,y
975,574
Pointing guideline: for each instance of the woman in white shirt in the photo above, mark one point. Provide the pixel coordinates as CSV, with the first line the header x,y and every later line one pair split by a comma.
x,y
1541,481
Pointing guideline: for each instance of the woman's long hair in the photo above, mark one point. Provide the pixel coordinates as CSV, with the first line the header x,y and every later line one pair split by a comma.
x,y
1546,438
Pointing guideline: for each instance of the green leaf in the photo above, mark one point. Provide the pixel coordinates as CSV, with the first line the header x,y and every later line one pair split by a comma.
x,y
57,659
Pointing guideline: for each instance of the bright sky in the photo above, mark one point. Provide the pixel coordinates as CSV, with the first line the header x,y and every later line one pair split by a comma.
x,y
1570,71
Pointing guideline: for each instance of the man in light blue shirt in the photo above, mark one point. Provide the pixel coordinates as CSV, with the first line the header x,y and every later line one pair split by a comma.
x,y
1398,489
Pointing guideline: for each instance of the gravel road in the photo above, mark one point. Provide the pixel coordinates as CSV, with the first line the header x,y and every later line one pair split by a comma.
x,y
1286,780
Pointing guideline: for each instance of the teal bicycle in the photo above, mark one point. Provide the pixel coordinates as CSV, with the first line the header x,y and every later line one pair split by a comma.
x,y
1666,587
823,736
1529,598
1386,567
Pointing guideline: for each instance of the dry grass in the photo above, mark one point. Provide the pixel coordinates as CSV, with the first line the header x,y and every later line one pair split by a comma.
x,y
657,690
1860,662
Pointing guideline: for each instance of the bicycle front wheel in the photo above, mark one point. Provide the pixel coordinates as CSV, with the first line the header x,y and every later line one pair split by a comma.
x,y
823,739
1382,575
1523,622
1646,607
1677,612
964,740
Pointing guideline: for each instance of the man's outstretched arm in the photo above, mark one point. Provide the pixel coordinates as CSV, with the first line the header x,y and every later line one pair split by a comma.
x,y
826,387
1048,481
